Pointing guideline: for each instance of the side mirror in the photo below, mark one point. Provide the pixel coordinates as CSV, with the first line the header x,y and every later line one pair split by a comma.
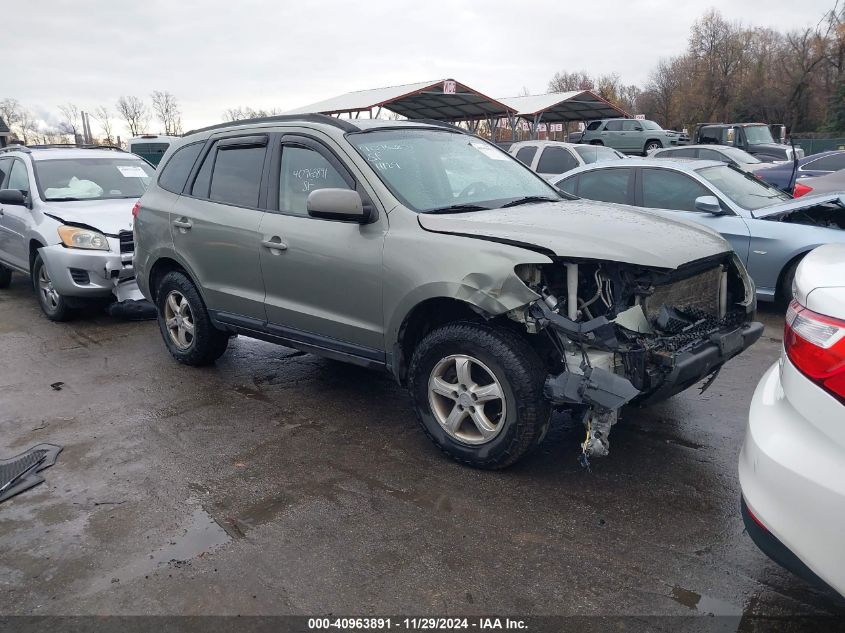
x,y
12,196
638,129
337,204
709,204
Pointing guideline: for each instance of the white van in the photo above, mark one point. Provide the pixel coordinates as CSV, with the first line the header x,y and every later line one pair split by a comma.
x,y
150,147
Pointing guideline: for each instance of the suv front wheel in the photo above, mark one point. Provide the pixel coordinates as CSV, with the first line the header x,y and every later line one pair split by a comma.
x,y
651,146
478,394
185,325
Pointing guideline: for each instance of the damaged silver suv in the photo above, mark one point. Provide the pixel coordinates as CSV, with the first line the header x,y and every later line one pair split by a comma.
x,y
428,252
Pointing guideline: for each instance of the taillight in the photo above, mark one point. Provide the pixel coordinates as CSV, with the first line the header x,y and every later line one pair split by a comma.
x,y
800,190
815,343
135,209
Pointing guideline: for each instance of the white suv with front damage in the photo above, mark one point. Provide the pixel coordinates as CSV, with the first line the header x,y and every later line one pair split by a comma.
x,y
66,221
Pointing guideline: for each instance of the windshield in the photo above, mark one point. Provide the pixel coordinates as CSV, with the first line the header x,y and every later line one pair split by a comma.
x,y
435,170
594,153
91,178
743,189
757,134
650,125
739,156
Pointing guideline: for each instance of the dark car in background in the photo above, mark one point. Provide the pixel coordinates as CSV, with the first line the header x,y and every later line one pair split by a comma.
x,y
754,138
780,175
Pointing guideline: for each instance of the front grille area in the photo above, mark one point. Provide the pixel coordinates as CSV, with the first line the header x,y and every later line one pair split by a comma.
x,y
127,242
80,276
700,292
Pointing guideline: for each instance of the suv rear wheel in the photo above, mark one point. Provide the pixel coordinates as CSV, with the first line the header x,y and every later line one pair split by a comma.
x,y
478,394
185,326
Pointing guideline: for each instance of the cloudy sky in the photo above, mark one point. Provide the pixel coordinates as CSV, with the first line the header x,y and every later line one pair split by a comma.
x,y
216,54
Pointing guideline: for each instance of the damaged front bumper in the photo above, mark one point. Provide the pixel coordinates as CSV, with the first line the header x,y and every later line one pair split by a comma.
x,y
90,274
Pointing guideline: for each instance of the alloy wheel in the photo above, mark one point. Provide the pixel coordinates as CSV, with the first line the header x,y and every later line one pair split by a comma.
x,y
179,320
467,399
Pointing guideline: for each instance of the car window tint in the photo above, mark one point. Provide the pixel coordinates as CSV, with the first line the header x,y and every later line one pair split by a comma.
x,y
556,160
236,178
607,185
665,189
18,178
630,126
710,154
684,152
594,125
175,172
834,162
5,166
569,185
203,180
304,170
613,126
710,135
594,153
526,154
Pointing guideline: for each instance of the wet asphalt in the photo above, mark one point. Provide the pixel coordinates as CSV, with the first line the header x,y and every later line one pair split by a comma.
x,y
278,483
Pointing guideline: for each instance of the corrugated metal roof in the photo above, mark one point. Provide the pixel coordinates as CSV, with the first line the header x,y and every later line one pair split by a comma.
x,y
422,100
578,105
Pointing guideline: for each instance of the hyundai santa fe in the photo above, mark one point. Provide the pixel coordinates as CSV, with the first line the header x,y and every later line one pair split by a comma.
x,y
420,249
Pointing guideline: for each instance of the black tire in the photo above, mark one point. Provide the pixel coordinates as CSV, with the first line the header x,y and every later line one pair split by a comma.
x,y
518,369
207,343
651,145
5,276
784,290
54,306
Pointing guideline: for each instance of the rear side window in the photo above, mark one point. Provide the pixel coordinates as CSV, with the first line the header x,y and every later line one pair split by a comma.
x,y
606,185
631,126
203,180
834,162
236,178
175,171
613,126
710,135
710,154
305,170
684,152
664,189
556,160
594,125
526,154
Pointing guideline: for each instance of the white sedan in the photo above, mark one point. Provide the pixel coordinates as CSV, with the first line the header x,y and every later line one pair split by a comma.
x,y
792,465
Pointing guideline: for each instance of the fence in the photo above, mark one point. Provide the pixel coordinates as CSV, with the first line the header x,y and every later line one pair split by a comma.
x,y
816,145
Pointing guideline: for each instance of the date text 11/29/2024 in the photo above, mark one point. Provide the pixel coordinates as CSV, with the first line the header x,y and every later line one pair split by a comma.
x,y
416,624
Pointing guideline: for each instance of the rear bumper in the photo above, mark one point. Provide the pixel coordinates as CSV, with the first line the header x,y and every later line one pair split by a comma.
x,y
89,273
691,366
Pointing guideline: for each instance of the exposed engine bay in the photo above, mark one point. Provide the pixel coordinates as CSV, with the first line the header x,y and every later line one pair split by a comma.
x,y
831,216
622,333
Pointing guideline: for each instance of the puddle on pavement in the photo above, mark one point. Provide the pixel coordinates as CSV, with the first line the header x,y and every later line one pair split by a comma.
x,y
201,535
705,605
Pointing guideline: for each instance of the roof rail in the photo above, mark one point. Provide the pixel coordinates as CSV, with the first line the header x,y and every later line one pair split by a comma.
x,y
343,124
74,146
15,148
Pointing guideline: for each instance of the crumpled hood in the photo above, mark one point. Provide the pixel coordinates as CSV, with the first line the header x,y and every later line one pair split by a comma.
x,y
804,202
589,230
107,216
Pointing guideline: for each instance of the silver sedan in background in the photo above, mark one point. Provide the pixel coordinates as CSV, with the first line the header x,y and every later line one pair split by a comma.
x,y
769,230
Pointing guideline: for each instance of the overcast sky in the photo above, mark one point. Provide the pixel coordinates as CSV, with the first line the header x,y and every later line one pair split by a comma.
x,y
217,54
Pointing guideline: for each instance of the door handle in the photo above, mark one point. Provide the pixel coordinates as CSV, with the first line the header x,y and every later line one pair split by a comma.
x,y
274,243
183,223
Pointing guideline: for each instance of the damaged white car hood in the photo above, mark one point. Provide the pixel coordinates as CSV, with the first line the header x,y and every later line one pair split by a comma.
x,y
589,230
106,216
804,202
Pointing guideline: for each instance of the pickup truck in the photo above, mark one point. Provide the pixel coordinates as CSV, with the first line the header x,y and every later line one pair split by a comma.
x,y
754,138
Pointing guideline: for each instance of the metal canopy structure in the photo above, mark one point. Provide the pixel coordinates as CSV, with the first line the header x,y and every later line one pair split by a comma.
x,y
563,107
444,100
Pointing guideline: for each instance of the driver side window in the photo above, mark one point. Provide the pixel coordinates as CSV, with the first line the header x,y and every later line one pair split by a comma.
x,y
18,178
305,170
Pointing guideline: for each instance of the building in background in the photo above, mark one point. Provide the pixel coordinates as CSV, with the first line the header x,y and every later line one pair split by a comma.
x,y
4,133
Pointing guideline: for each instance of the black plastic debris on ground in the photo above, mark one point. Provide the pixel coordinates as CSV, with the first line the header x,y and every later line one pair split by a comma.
x,y
20,473
132,310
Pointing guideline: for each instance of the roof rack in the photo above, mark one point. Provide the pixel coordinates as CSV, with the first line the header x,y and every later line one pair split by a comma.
x,y
74,146
343,124
15,148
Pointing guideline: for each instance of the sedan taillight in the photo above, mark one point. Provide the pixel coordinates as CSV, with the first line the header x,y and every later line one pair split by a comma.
x,y
136,208
801,190
815,343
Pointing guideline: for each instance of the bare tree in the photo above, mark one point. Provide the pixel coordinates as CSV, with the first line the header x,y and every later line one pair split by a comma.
x,y
10,111
103,116
567,82
240,113
166,108
27,126
72,122
135,113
